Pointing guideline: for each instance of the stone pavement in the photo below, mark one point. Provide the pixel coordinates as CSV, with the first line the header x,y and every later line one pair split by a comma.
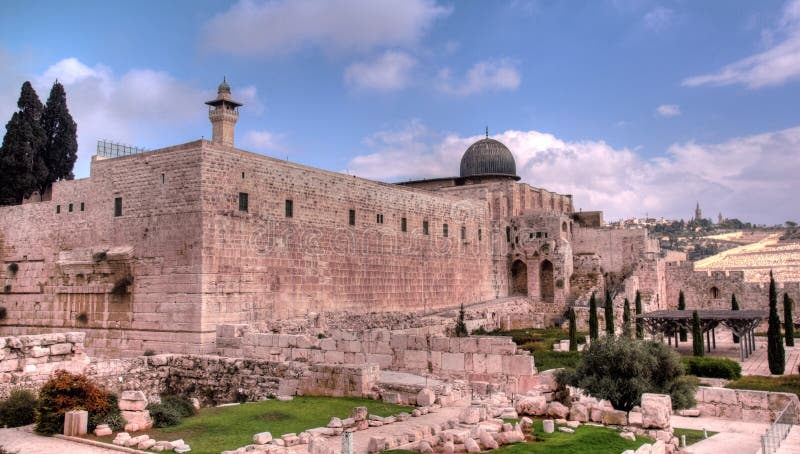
x,y
24,441
733,437
792,443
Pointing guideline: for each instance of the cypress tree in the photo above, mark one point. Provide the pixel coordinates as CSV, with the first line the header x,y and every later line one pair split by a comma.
x,y
61,147
22,167
609,312
697,335
461,325
788,320
682,307
776,355
593,325
639,322
626,320
573,331
734,307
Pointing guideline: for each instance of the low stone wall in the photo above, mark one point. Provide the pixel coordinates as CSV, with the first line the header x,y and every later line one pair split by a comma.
x,y
26,361
477,358
742,405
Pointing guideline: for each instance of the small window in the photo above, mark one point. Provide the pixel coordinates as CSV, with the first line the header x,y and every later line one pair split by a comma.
x,y
508,234
243,201
545,234
242,175
714,292
403,225
538,234
118,206
82,207
69,208
424,227
379,218
480,234
58,209
162,178
352,217
463,232
444,230
530,235
289,208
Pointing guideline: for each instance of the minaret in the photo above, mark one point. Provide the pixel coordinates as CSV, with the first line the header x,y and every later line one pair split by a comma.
x,y
223,115
697,213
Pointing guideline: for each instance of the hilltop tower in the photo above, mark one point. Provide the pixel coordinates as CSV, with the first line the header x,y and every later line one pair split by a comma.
x,y
223,113
698,215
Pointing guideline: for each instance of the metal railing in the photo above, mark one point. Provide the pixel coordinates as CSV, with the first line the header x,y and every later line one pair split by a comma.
x,y
108,149
779,430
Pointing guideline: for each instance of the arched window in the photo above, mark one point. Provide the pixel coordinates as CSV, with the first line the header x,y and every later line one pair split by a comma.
x,y
564,227
714,292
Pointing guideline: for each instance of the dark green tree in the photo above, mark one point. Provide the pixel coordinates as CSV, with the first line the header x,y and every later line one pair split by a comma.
x,y
594,331
609,313
61,146
620,370
788,320
461,325
573,331
697,335
639,322
22,166
776,355
682,307
734,307
627,328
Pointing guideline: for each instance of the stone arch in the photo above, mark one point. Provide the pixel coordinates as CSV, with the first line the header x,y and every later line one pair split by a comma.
x,y
546,281
714,292
519,278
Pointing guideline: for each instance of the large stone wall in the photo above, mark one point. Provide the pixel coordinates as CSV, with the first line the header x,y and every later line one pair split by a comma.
x,y
742,404
476,358
697,288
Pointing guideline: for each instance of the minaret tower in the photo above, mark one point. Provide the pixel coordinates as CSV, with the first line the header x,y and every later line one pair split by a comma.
x,y
698,215
223,114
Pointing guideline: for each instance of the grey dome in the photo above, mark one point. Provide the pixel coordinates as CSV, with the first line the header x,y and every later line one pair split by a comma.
x,y
488,157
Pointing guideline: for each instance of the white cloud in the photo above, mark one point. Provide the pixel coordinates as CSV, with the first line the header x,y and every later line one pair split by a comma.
x,y
659,18
280,26
668,110
262,141
735,177
778,64
388,72
490,75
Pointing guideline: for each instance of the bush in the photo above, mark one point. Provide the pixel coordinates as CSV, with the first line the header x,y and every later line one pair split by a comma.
x,y
82,318
149,352
13,268
120,287
712,367
182,404
164,415
621,370
683,391
19,409
65,392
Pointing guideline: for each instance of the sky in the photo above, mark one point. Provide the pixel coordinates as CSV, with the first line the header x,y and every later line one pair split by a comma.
x,y
635,107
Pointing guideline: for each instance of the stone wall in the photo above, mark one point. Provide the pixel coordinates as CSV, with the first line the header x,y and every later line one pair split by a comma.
x,y
26,361
742,405
476,358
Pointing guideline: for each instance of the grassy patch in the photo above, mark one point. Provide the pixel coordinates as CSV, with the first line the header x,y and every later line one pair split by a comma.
x,y
554,360
785,383
692,435
534,339
225,428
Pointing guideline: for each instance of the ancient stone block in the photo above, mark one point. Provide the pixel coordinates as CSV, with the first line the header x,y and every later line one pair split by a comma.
x,y
452,361
656,411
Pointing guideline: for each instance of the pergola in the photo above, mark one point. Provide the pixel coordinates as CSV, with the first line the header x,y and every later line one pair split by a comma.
x,y
742,323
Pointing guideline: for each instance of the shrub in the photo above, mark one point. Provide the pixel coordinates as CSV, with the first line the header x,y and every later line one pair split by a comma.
x,y
99,256
7,289
621,370
149,352
66,391
461,326
6,451
712,367
82,318
120,287
13,268
683,391
3,313
164,415
181,404
19,409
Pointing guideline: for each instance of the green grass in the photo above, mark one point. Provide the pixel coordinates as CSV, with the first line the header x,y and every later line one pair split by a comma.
x,y
554,360
217,429
785,383
692,435
534,339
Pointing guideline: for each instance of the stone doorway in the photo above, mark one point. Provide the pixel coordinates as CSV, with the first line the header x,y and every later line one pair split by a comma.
x,y
519,278
546,282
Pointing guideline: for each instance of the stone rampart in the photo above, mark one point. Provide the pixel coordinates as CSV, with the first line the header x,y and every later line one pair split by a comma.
x,y
742,405
477,358
26,361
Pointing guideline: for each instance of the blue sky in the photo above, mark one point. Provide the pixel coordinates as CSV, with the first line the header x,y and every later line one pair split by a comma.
x,y
632,106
